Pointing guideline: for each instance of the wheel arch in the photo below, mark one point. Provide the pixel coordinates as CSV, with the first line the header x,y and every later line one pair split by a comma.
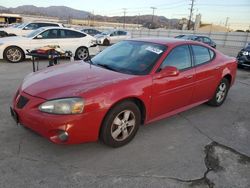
x,y
228,77
23,51
135,100
79,48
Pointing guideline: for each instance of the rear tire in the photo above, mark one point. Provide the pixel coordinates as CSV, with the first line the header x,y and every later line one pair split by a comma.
x,y
220,94
13,54
121,124
82,53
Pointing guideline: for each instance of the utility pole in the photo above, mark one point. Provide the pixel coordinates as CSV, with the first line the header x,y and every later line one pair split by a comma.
x,y
138,17
191,14
152,22
226,23
124,14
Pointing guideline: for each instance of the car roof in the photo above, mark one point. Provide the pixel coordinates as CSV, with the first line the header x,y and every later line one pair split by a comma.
x,y
44,22
53,27
193,35
166,41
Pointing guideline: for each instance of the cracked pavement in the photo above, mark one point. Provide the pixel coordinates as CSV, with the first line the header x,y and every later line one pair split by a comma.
x,y
202,147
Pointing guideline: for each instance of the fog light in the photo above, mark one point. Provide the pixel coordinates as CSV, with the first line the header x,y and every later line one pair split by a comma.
x,y
63,136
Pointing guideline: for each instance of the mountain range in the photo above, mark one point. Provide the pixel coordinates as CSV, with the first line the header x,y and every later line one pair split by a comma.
x,y
66,13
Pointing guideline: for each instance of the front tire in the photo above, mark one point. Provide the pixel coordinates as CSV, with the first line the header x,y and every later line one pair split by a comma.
x,y
13,54
82,53
220,94
121,124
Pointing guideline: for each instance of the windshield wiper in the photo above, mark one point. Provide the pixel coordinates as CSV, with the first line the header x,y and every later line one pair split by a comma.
x,y
106,66
89,61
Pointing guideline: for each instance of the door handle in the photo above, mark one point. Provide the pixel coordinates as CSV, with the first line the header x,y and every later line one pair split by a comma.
x,y
189,76
217,67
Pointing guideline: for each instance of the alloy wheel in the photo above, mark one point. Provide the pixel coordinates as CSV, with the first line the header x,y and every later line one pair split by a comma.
x,y
123,125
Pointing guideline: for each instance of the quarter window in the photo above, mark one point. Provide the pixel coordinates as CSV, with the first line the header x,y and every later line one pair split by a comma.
x,y
201,54
179,57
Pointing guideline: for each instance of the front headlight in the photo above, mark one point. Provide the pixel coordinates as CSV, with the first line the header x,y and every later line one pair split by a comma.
x,y
245,53
63,106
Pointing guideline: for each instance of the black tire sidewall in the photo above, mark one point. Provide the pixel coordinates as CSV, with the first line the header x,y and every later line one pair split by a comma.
x,y
106,42
214,101
106,136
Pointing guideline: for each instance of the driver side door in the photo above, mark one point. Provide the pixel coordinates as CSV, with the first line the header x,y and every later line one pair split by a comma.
x,y
171,93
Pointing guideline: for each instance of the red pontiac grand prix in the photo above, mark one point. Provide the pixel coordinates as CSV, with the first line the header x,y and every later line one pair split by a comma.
x,y
131,83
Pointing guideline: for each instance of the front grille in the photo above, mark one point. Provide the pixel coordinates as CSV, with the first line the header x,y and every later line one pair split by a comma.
x,y
22,101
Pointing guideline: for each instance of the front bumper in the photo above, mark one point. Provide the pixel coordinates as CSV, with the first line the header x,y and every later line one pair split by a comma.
x,y
243,60
78,128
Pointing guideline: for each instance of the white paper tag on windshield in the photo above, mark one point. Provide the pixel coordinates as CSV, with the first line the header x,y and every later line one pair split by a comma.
x,y
154,50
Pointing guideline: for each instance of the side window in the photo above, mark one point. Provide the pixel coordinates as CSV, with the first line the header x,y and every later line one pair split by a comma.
x,y
71,34
212,54
201,54
50,34
179,57
115,33
122,33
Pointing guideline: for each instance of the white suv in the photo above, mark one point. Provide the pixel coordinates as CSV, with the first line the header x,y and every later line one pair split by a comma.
x,y
25,28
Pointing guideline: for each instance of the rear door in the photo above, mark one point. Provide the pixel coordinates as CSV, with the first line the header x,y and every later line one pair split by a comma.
x,y
71,40
172,93
207,73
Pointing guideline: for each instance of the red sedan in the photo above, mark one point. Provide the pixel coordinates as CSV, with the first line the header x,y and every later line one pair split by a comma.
x,y
131,83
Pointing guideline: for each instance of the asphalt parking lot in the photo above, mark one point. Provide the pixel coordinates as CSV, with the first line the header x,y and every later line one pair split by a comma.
x,y
202,147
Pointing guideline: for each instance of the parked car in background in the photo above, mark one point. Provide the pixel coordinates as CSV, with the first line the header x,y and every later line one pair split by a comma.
x,y
5,34
25,28
131,83
243,56
199,38
91,31
179,36
113,36
82,45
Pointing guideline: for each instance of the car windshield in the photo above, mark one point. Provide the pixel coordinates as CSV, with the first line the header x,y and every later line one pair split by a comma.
x,y
130,57
34,33
21,25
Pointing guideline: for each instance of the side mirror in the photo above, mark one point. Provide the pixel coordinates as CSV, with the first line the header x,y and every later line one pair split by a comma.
x,y
168,71
26,28
39,37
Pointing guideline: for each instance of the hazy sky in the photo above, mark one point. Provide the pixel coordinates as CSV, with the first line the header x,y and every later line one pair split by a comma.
x,y
212,11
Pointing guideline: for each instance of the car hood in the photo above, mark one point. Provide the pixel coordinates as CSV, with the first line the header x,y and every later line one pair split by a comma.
x,y
69,80
13,39
100,36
